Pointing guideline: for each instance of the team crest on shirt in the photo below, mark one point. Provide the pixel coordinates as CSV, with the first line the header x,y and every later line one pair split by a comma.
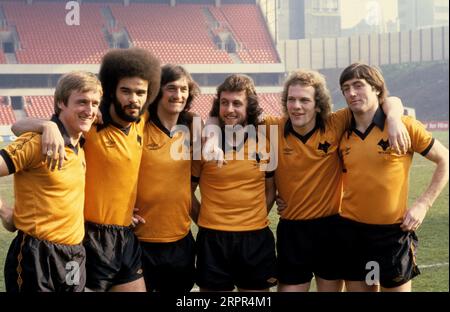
x,y
324,147
384,144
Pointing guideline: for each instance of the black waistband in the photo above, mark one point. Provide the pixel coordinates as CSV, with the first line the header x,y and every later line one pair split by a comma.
x,y
93,225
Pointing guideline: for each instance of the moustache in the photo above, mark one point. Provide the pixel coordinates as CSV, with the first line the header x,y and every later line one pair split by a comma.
x,y
132,106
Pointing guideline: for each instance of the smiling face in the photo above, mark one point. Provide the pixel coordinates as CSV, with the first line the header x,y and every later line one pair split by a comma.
x,y
131,95
361,97
174,97
301,108
233,108
80,111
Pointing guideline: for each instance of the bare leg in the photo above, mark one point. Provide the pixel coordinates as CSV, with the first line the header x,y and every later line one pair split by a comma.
x,y
324,285
359,286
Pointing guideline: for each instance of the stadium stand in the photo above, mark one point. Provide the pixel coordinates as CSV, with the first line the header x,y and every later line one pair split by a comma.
x,y
248,26
39,106
202,105
176,35
6,113
271,103
2,57
183,34
53,41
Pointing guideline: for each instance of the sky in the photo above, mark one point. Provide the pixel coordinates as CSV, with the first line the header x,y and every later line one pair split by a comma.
x,y
372,10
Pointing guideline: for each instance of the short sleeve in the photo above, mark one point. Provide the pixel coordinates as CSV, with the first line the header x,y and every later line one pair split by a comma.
x,y
24,152
421,140
340,121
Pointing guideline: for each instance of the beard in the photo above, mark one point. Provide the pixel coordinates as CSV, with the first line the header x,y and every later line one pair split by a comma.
x,y
120,111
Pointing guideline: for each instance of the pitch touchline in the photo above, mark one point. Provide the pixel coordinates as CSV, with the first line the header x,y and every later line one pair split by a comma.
x,y
435,265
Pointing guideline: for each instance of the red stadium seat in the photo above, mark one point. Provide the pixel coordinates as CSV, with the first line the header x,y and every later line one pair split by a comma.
x,y
2,57
53,41
6,113
175,34
39,106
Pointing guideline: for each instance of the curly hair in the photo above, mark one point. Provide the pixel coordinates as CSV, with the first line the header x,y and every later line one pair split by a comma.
x,y
322,98
170,73
371,74
238,83
127,63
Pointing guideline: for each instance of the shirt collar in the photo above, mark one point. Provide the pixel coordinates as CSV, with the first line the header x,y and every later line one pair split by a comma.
x,y
289,129
378,120
65,134
157,122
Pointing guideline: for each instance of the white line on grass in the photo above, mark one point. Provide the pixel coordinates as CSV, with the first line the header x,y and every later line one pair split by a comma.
x,y
434,265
